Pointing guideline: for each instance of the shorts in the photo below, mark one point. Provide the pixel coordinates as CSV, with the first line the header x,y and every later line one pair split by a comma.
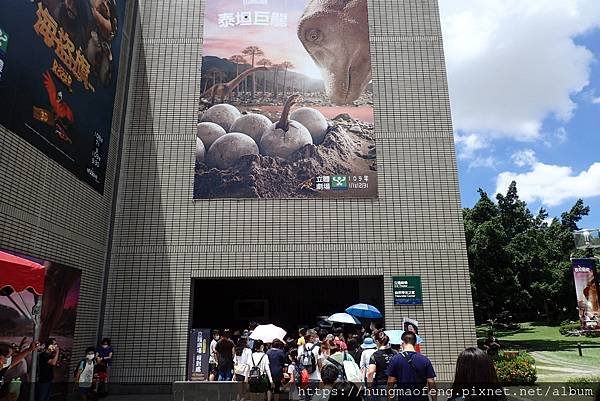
x,y
85,390
240,378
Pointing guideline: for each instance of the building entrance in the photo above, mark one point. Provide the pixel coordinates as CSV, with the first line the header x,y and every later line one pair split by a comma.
x,y
290,303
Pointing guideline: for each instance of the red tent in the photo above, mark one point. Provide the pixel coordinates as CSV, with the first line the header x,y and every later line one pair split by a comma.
x,y
20,274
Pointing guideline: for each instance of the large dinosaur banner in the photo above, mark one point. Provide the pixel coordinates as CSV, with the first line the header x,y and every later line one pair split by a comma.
x,y
58,74
287,101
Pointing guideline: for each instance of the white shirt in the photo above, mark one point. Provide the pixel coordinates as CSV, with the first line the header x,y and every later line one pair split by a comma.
x,y
316,375
87,375
243,359
261,360
365,357
293,386
211,358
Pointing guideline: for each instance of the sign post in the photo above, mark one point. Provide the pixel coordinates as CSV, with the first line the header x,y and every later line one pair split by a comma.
x,y
407,290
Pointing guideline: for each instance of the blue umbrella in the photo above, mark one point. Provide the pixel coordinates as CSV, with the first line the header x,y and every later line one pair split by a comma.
x,y
396,337
364,310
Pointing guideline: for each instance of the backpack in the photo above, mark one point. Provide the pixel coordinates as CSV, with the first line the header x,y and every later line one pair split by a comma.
x,y
348,370
258,381
308,360
297,375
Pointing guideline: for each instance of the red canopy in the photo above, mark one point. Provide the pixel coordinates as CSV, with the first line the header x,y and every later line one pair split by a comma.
x,y
19,274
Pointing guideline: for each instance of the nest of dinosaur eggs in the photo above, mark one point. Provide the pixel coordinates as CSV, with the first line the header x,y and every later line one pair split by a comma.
x,y
249,156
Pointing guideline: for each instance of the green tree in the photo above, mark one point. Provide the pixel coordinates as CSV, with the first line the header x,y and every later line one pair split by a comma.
x,y
519,262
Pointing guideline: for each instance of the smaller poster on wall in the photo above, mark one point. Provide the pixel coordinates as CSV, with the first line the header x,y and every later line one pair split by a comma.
x,y
585,276
198,355
407,290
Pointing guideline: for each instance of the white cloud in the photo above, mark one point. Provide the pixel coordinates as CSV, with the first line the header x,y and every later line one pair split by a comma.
x,y
596,100
480,161
525,157
513,63
550,184
468,145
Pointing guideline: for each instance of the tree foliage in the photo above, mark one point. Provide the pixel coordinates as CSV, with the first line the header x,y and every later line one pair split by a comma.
x,y
518,261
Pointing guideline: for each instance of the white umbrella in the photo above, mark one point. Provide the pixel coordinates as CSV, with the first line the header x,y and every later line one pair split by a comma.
x,y
343,318
267,333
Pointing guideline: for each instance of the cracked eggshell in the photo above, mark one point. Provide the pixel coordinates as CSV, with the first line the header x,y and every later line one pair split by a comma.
x,y
279,143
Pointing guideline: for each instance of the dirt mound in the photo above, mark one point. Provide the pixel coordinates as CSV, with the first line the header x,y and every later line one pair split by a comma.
x,y
348,149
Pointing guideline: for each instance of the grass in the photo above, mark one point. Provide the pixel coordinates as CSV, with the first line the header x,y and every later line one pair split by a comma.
x,y
557,357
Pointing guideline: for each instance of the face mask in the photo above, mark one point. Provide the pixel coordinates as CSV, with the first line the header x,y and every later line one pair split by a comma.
x,y
8,362
105,346
90,357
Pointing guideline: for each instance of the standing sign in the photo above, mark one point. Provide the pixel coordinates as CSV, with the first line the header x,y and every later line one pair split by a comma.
x,y
198,355
407,290
59,63
588,293
286,108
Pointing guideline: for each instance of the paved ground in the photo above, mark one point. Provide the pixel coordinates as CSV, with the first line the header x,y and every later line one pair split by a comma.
x,y
146,397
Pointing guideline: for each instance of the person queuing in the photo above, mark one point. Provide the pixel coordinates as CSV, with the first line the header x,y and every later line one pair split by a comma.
x,y
308,355
476,374
301,334
224,351
104,355
85,374
9,360
368,346
47,361
212,358
258,373
240,369
329,375
378,367
277,359
411,371
294,375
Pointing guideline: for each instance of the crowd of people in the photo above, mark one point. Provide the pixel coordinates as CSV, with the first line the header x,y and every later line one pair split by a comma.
x,y
329,364
90,375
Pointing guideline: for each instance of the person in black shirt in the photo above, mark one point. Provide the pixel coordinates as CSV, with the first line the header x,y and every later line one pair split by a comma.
x,y
277,360
225,351
8,361
47,361
378,365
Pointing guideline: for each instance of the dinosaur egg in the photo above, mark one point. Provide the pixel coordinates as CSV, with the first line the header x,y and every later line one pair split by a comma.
x,y
221,114
209,133
200,151
277,142
228,149
253,125
314,122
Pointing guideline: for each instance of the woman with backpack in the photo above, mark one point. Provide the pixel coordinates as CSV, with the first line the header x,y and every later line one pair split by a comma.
x,y
378,365
259,377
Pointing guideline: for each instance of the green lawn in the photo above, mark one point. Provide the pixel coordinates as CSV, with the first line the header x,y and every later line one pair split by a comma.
x,y
557,358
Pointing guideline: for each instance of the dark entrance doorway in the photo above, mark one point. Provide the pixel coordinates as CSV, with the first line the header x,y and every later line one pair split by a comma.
x,y
290,303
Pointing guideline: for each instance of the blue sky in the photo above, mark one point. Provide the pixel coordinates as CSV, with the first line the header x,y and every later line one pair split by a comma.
x,y
524,83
